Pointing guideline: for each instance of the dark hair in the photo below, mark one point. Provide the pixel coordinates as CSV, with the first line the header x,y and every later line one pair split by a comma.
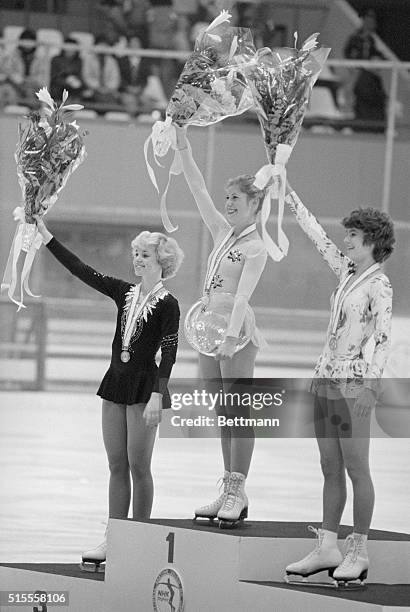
x,y
377,228
28,35
245,184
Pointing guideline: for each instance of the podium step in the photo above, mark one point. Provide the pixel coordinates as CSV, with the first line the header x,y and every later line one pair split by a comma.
x,y
85,590
238,570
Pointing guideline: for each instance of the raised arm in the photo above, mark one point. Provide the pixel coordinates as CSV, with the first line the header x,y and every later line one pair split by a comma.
x,y
104,284
312,228
213,219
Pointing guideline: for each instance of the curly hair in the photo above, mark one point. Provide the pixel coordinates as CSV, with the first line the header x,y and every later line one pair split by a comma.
x,y
168,252
377,228
245,183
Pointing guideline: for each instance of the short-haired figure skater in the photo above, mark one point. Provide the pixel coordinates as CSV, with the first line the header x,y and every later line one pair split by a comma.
x,y
234,268
345,384
134,389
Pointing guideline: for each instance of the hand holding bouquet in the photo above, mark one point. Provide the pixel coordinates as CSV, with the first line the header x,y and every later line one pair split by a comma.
x,y
50,148
211,87
281,81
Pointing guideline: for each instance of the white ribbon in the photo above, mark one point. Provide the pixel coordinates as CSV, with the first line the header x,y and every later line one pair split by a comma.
x,y
162,137
277,190
26,239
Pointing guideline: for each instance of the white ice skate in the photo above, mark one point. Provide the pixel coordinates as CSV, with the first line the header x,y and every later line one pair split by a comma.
x,y
235,507
325,557
211,510
352,572
93,559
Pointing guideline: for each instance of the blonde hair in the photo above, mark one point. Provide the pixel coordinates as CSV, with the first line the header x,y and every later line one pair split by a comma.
x,y
168,252
245,184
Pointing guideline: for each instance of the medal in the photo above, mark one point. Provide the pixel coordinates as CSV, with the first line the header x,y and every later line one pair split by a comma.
x,y
125,356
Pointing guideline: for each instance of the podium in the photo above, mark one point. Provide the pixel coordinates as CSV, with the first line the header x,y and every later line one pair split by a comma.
x,y
171,565
200,568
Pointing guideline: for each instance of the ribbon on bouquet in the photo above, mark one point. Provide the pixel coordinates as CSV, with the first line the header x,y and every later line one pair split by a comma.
x,y
276,173
28,240
163,136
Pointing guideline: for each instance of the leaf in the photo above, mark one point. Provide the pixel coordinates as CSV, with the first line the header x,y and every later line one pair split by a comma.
x,y
311,42
74,107
44,96
222,17
65,95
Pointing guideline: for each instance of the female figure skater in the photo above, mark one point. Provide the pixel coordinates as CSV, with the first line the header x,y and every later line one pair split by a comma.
x,y
134,389
234,268
345,385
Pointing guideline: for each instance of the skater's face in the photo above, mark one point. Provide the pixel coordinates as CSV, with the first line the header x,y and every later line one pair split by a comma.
x,y
355,249
239,209
144,259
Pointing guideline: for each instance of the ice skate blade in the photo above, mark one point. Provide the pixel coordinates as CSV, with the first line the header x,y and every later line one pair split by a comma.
x,y
227,524
93,567
203,519
335,584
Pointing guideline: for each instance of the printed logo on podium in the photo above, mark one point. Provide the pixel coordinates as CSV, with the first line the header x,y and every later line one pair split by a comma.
x,y
168,592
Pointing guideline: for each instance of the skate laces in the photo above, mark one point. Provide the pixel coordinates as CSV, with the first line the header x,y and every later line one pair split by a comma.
x,y
319,537
351,551
232,493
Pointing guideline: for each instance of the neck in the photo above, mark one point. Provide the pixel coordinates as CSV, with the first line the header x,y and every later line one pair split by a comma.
x,y
363,265
238,229
149,282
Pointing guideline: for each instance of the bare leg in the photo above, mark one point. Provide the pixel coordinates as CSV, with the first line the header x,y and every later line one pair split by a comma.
x,y
331,461
356,458
140,445
211,376
114,427
241,365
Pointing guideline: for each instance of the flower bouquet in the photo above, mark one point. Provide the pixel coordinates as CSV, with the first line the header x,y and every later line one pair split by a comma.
x,y
211,87
50,148
281,81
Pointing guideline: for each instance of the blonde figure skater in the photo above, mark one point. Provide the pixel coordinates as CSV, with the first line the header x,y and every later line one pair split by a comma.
x,y
235,266
345,384
134,389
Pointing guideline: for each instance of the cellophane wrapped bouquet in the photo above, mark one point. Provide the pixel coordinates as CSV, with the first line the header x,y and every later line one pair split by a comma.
x,y
50,148
281,81
211,87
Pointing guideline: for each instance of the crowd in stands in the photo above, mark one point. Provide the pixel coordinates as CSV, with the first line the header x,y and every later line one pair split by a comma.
x,y
117,80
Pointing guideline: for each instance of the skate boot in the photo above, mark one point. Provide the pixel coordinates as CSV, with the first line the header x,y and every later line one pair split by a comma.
x,y
235,507
211,510
92,559
325,557
355,564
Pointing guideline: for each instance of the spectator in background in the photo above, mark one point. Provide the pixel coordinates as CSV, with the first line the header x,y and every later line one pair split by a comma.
x,y
66,73
25,69
370,97
101,75
127,17
361,45
162,30
135,72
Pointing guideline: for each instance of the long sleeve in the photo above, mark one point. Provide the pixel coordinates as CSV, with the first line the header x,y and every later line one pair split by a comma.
x,y
252,270
337,261
213,219
381,297
169,343
104,284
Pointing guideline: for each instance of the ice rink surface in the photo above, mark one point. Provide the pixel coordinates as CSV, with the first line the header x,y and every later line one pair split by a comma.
x,y
54,478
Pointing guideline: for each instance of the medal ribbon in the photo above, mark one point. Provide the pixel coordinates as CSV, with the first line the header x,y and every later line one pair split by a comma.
x,y
134,312
340,295
217,256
